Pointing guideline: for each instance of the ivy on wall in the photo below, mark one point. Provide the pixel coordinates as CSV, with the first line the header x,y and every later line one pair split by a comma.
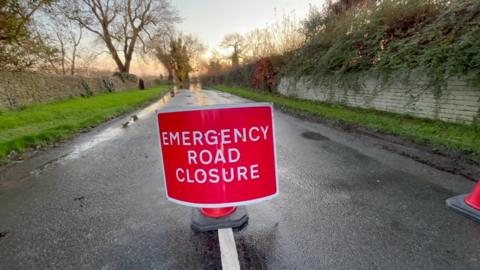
x,y
441,38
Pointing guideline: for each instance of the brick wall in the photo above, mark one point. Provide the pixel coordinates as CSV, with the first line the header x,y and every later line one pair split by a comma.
x,y
459,102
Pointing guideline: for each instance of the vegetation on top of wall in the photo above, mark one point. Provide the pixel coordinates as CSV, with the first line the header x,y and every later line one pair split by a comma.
x,y
439,37
261,74
124,76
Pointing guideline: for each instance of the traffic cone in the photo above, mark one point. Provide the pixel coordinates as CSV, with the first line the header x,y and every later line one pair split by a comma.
x,y
467,204
210,219
217,212
474,198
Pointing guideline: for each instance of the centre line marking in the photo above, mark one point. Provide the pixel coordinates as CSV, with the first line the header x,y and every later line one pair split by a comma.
x,y
228,250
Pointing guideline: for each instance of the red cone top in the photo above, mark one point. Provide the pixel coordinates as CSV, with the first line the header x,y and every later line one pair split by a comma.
x,y
474,198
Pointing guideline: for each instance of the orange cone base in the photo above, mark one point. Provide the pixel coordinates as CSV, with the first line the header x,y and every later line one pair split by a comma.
x,y
210,219
459,205
217,212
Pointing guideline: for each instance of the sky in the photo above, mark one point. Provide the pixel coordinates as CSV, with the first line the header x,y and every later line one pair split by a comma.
x,y
211,20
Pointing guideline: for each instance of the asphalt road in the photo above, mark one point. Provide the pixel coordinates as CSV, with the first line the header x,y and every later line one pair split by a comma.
x,y
97,202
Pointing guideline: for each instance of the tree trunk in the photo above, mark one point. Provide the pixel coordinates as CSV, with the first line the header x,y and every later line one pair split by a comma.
x,y
113,52
129,55
127,65
170,73
72,66
62,51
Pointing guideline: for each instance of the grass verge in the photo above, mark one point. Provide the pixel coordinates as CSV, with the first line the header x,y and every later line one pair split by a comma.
x,y
457,137
42,124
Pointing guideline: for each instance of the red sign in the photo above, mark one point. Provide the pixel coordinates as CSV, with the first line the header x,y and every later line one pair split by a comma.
x,y
218,156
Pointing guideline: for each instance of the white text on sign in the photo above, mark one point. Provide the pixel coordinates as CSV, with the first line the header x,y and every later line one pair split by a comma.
x,y
222,155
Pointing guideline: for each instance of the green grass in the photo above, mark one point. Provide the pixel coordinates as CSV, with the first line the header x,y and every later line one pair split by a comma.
x,y
43,124
465,138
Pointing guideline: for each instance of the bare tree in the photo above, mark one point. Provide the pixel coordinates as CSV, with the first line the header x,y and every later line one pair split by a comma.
x,y
280,37
68,37
122,24
161,46
260,43
75,39
236,42
286,33
195,49
87,62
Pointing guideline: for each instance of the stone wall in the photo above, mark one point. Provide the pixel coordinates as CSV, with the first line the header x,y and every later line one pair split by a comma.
x,y
458,102
21,89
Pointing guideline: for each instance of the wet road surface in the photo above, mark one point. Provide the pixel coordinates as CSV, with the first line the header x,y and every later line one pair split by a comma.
x,y
98,202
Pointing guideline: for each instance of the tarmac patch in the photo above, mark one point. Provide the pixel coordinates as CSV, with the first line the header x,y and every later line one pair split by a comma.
x,y
80,199
3,234
314,136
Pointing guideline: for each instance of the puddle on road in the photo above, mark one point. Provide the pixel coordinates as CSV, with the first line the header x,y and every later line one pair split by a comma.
x,y
314,136
195,86
155,106
107,134
113,132
202,100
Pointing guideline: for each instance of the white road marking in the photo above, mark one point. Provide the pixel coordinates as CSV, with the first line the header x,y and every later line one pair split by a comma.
x,y
228,250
